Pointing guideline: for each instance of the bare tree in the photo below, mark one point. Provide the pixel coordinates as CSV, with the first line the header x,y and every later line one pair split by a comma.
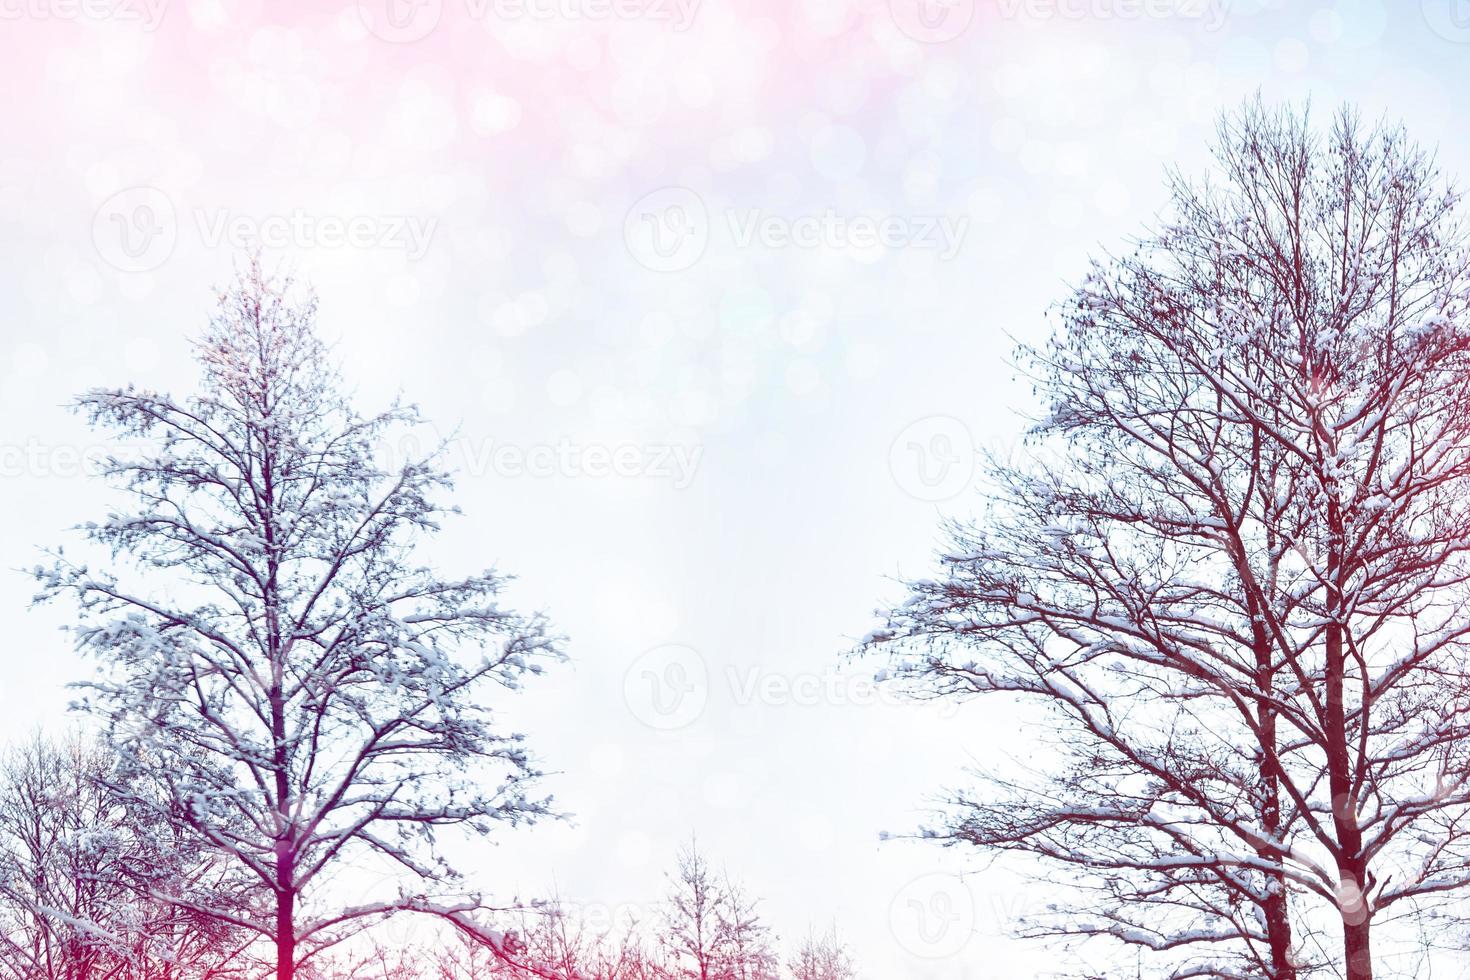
x,y
693,930
383,962
549,943
461,958
711,930
626,956
1233,564
315,696
571,949
554,943
751,955
709,924
81,871
823,957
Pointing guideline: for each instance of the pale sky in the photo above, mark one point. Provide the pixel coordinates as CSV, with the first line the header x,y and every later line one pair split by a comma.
x,y
764,260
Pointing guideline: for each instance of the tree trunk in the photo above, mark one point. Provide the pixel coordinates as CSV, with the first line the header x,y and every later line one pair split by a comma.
x,y
1275,909
1355,934
1352,897
285,935
277,647
1278,931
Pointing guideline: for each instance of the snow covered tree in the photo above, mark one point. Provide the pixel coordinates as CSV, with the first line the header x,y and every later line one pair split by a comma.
x,y
1233,565
314,701
556,945
82,871
463,959
711,929
693,928
751,956
548,943
822,957
628,956
567,949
